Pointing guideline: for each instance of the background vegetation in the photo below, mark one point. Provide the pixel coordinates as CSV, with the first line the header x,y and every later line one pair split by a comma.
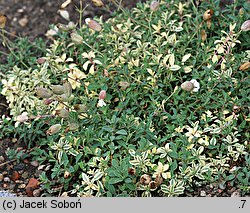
x,y
152,102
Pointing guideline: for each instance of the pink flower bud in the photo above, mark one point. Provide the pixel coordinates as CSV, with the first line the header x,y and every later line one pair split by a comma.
x,y
154,5
93,24
41,60
145,179
23,117
187,86
48,101
102,95
245,26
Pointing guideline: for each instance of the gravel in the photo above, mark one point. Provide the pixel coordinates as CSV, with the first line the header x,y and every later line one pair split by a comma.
x,y
6,194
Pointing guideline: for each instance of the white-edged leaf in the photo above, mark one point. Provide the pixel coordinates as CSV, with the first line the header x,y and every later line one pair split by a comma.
x,y
185,57
97,176
85,178
171,60
131,152
85,65
216,130
175,67
187,69
65,4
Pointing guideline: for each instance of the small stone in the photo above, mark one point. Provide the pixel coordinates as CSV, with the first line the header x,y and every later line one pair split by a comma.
x,y
222,186
38,173
22,186
19,167
1,176
32,185
34,163
14,140
37,192
23,21
211,186
25,175
230,191
1,158
235,194
220,191
6,179
15,176
203,193
12,186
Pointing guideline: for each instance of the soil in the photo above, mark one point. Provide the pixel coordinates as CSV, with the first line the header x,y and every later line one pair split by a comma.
x,y
32,18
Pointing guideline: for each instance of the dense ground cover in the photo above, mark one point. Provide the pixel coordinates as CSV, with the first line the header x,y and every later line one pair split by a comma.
x,y
152,102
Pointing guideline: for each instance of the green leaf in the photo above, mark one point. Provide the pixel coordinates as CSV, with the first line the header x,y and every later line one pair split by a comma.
x,y
115,180
121,132
174,67
230,177
173,154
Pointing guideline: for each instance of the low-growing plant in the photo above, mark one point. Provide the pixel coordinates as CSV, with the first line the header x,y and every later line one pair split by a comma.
x,y
152,102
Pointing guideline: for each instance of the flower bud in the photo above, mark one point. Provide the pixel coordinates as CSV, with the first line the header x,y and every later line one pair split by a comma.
x,y
76,38
22,118
72,126
208,14
48,101
192,85
154,5
124,85
203,35
2,21
102,95
40,60
245,66
81,108
245,26
153,185
132,171
98,3
93,24
63,113
158,179
53,129
241,11
187,86
43,92
145,179
66,174
106,73
67,88
57,89
63,98
236,109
